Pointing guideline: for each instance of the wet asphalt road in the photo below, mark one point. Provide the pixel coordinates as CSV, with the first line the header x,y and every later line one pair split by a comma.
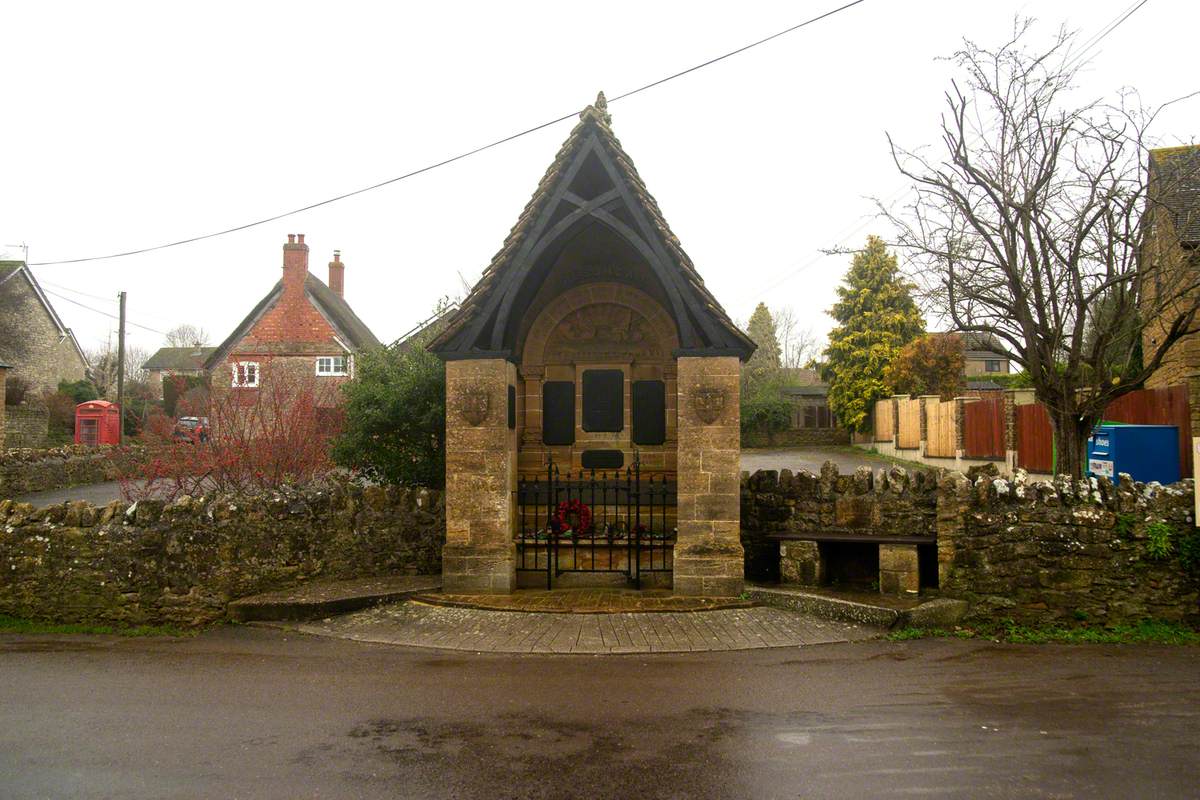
x,y
98,494
251,713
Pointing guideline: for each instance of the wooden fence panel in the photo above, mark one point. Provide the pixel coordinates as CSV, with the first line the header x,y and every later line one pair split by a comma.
x,y
882,421
1035,439
1166,406
983,429
940,435
908,437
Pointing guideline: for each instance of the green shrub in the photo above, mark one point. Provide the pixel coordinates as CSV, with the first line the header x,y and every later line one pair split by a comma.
x,y
395,426
1189,553
1158,543
766,411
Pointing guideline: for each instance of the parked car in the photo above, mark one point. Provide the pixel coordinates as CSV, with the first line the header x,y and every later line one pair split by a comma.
x,y
191,429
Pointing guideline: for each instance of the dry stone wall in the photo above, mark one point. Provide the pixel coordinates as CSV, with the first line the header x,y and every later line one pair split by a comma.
x,y
25,426
865,503
1047,551
38,470
181,563
1067,550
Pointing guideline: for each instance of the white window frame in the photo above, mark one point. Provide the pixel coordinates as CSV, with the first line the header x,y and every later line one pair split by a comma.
x,y
992,365
333,372
244,367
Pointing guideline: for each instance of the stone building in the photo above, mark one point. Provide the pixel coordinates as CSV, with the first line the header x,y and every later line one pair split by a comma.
x,y
1172,253
591,343
302,326
33,339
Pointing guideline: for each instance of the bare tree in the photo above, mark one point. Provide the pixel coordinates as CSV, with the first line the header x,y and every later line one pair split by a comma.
x,y
187,335
1032,217
798,346
102,371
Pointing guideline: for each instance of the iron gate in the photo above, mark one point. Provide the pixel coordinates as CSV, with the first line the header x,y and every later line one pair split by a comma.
x,y
608,521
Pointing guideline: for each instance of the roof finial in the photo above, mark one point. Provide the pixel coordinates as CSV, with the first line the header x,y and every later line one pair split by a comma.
x,y
597,110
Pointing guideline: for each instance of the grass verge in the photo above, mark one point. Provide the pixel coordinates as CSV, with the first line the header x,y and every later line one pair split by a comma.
x,y
1144,632
16,625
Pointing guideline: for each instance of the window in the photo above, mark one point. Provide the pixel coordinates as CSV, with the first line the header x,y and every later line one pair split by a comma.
x,y
245,374
332,365
991,365
603,400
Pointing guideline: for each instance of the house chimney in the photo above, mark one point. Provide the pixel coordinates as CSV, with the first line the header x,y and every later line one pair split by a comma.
x,y
295,263
337,274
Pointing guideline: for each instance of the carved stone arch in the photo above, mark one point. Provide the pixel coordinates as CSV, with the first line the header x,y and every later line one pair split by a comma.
x,y
646,325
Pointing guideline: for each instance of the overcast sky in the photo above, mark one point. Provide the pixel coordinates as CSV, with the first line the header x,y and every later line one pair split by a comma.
x,y
128,125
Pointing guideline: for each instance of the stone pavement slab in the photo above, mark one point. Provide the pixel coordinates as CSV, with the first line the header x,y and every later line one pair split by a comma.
x,y
316,600
417,624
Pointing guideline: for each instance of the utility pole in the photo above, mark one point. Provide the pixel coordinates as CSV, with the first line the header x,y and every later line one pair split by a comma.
x,y
121,372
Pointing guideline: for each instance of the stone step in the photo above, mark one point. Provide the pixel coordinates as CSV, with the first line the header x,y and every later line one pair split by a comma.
x,y
323,599
935,613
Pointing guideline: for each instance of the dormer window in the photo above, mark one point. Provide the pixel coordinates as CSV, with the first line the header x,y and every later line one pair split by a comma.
x,y
332,366
245,374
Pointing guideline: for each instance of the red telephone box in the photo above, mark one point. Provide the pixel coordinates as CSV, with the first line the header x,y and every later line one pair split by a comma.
x,y
97,422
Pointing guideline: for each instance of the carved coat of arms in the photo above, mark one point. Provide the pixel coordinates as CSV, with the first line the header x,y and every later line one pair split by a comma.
x,y
473,405
708,402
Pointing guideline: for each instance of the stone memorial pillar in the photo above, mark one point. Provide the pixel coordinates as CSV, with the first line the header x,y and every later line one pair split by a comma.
x,y
481,474
708,550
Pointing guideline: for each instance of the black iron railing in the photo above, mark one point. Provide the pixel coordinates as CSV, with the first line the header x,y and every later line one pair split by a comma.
x,y
614,521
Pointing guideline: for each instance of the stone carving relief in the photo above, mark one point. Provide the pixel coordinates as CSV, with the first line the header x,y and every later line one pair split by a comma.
x,y
603,332
473,403
707,403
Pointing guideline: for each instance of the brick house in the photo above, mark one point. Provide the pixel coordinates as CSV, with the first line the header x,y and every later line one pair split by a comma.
x,y
302,325
33,339
1172,250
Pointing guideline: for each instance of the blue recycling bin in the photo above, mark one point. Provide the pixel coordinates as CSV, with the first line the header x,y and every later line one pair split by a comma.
x,y
1147,452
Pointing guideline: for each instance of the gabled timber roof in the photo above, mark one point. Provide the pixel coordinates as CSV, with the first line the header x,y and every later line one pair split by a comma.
x,y
346,324
482,325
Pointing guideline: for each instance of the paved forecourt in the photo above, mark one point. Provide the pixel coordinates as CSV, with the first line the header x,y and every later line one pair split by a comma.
x,y
416,624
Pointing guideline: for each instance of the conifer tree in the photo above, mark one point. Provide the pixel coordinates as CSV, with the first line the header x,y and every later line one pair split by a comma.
x,y
766,361
876,316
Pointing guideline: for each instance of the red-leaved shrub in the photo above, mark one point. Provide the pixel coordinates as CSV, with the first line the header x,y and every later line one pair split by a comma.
x,y
250,439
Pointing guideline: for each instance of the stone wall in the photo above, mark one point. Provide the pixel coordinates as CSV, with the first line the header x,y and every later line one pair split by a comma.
x,y
868,503
26,426
39,470
1065,549
1062,550
180,564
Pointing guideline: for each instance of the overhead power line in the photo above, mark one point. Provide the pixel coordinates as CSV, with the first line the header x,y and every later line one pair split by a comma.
x,y
104,313
452,159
